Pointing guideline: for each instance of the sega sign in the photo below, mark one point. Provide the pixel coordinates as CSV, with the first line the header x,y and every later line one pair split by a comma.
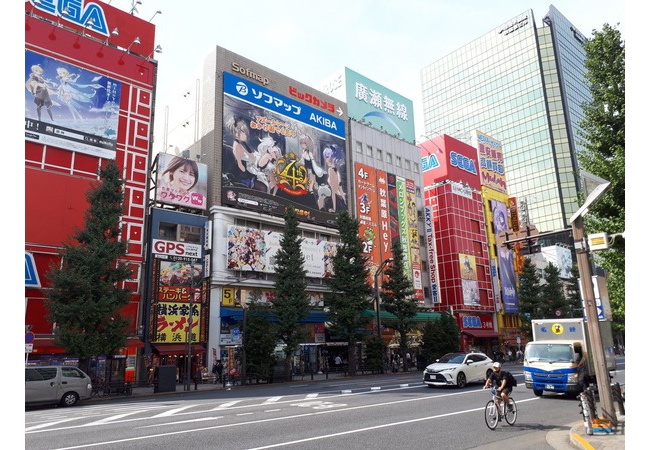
x,y
89,15
178,249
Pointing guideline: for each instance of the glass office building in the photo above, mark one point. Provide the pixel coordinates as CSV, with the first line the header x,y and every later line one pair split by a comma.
x,y
523,85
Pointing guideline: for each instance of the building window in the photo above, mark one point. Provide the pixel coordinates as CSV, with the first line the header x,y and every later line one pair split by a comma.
x,y
358,146
389,158
398,161
379,155
368,150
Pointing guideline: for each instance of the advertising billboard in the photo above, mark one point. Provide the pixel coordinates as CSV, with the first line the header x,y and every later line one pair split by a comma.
x,y
70,107
250,249
279,152
182,182
490,158
506,260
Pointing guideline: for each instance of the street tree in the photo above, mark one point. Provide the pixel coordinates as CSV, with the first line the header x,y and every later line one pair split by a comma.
x,y
603,137
552,298
259,340
350,290
529,293
439,337
574,302
397,298
87,291
291,301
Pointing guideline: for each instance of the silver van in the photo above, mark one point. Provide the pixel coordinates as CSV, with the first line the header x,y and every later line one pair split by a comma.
x,y
62,385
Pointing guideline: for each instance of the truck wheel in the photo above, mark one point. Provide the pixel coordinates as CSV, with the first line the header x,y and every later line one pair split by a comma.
x,y
538,392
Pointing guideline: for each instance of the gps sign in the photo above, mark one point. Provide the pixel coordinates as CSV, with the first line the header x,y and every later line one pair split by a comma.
x,y
178,249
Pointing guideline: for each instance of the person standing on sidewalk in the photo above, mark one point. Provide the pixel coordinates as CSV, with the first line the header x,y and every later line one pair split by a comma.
x,y
217,370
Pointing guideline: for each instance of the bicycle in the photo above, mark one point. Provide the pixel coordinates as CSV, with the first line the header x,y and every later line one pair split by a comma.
x,y
494,410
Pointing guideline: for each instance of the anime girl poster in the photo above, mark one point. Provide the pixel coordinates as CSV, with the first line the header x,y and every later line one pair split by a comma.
x,y
70,107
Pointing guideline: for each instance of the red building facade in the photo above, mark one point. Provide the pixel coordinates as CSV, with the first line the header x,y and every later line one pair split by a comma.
x,y
95,64
459,261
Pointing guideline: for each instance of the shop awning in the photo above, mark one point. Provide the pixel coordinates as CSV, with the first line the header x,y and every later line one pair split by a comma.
x,y
177,349
134,342
314,316
481,333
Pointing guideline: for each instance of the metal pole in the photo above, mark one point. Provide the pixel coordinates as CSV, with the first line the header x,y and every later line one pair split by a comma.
x,y
377,305
377,273
593,327
188,356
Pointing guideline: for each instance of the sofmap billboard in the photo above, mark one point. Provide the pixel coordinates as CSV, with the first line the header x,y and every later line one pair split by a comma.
x,y
70,107
279,152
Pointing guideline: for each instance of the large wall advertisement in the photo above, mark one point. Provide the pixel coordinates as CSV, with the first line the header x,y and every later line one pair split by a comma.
x,y
70,107
387,212
180,290
182,182
279,152
506,260
250,249
490,158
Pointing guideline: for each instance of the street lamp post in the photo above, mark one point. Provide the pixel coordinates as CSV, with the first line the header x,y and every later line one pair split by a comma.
x,y
381,268
188,350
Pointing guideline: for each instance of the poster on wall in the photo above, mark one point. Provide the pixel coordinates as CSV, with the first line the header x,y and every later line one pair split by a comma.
x,y
70,107
173,322
254,250
182,182
506,260
279,152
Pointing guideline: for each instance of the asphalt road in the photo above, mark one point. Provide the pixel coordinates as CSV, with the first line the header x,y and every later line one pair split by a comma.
x,y
380,412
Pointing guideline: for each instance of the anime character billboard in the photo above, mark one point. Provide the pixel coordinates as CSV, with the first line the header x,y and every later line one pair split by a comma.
x,y
278,152
70,107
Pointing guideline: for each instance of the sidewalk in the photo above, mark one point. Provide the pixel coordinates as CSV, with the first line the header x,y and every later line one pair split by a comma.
x,y
602,441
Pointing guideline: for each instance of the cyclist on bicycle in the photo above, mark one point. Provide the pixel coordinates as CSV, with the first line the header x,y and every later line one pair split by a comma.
x,y
499,379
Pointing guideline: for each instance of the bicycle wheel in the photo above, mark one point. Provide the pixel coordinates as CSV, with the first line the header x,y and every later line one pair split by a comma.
x,y
106,391
491,415
511,412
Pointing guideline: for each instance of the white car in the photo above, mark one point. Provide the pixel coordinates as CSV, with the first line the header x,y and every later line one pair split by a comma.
x,y
457,369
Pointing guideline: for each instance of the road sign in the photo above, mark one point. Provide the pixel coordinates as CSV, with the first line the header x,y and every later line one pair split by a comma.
x,y
29,348
29,337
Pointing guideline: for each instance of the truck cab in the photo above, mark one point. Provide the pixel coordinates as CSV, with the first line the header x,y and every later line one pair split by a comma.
x,y
556,366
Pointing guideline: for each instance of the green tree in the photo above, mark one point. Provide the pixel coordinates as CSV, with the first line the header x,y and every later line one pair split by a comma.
x,y
291,302
603,137
397,299
259,340
87,290
529,293
374,353
350,292
439,337
552,296
574,302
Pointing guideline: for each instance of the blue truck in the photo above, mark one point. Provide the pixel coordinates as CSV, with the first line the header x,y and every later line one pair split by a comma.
x,y
559,358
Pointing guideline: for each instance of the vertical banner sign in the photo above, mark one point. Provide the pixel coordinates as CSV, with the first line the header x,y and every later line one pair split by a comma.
x,y
431,252
414,241
403,224
384,215
506,260
367,205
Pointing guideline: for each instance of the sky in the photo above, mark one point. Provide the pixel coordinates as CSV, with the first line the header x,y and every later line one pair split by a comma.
x,y
386,41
